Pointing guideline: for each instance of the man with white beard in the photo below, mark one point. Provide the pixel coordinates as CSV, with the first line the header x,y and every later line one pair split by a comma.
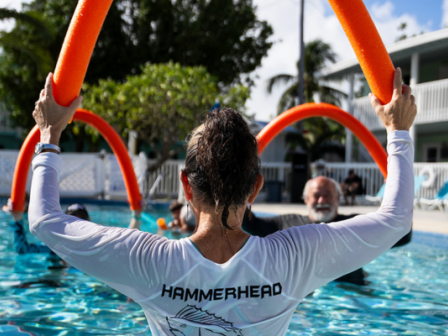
x,y
321,196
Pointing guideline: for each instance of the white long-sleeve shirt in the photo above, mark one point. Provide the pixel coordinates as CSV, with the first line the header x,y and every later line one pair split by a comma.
x,y
256,291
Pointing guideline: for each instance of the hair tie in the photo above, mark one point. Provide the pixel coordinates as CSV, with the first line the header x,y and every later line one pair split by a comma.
x,y
217,106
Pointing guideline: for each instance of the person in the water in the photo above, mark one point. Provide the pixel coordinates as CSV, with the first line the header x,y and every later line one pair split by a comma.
x,y
183,220
21,244
232,281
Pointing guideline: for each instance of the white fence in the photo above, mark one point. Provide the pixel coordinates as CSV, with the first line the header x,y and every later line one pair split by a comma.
x,y
371,176
431,99
82,175
97,175
373,179
168,186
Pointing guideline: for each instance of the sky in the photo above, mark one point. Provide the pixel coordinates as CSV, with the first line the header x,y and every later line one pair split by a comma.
x,y
320,22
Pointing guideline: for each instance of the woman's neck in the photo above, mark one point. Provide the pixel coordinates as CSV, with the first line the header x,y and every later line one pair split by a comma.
x,y
214,241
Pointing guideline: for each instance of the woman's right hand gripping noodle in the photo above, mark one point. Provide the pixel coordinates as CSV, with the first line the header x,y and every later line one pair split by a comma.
x,y
326,252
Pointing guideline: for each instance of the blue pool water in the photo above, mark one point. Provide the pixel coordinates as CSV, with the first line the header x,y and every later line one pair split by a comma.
x,y
408,294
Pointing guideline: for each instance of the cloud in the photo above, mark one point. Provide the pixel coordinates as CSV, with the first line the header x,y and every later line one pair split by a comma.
x,y
383,11
320,22
445,13
387,22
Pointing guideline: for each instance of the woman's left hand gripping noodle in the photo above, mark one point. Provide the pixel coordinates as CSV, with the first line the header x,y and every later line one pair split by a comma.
x,y
52,118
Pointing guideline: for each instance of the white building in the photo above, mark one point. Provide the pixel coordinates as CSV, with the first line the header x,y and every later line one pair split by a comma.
x,y
424,61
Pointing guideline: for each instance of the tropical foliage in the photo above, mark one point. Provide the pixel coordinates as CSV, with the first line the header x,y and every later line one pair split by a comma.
x,y
162,104
320,135
317,55
189,32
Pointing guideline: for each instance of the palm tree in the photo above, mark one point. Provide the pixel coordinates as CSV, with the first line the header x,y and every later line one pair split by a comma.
x,y
317,55
320,135
40,56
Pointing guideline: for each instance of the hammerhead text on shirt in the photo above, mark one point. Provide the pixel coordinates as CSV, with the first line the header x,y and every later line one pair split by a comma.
x,y
216,294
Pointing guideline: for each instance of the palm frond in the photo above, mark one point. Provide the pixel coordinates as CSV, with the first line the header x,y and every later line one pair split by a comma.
x,y
281,79
288,99
330,95
297,138
41,57
318,152
30,17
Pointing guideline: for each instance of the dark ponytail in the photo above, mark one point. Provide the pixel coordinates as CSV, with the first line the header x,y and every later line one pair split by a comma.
x,y
222,161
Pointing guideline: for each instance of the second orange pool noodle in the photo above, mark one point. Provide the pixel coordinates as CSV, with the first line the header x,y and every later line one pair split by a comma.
x,y
368,46
77,49
113,139
271,130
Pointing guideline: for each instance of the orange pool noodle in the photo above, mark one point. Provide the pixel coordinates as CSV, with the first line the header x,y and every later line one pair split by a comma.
x,y
368,45
77,49
161,223
271,130
109,134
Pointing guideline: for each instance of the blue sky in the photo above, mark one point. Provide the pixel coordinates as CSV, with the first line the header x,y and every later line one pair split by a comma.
x,y
425,11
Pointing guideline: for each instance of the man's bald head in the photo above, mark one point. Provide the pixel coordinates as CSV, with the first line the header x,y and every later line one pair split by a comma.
x,y
321,195
322,181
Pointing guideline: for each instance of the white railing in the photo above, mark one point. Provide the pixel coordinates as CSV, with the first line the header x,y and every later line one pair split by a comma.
x,y
431,99
441,175
168,186
96,175
82,174
371,176
7,164
373,179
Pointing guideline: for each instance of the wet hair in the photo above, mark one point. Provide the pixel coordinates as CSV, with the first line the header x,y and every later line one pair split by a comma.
x,y
176,206
222,162
77,210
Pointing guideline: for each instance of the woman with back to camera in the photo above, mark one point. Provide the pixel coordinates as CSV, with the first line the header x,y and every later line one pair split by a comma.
x,y
221,280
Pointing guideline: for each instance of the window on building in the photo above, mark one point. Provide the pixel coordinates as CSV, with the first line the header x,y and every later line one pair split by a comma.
x,y
431,152
443,72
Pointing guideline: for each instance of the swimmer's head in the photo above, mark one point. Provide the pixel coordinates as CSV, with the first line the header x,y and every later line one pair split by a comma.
x,y
78,210
222,163
321,196
175,209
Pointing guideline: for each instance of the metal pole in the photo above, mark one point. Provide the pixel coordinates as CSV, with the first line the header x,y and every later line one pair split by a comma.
x,y
301,87
348,133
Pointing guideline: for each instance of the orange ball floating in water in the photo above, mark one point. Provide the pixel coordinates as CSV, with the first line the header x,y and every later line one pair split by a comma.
x,y
161,223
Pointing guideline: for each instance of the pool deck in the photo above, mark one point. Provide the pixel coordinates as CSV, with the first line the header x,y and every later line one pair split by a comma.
x,y
426,221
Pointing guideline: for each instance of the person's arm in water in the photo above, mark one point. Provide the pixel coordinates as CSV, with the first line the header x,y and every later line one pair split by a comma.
x,y
21,245
136,219
325,252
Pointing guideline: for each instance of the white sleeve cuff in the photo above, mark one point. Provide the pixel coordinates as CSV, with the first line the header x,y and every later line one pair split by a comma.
x,y
402,136
48,159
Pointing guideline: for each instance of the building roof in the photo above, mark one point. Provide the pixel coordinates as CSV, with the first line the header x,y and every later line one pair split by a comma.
x,y
428,45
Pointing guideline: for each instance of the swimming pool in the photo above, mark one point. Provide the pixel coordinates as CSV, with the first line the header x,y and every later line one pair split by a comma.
x,y
408,294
